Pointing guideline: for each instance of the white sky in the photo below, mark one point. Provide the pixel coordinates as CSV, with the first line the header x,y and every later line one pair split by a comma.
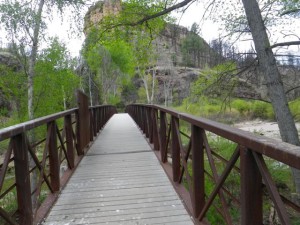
x,y
209,30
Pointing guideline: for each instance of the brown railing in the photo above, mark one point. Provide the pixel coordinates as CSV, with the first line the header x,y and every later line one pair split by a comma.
x,y
221,186
33,172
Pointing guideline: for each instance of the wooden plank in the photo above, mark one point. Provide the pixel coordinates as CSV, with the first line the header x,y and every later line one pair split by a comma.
x,y
119,181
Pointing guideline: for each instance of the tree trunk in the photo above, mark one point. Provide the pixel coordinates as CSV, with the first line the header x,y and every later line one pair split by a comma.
x,y
272,78
146,88
32,61
153,86
32,58
90,89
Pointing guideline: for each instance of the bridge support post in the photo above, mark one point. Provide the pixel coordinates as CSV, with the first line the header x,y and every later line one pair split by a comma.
x,y
198,190
53,157
83,123
69,140
163,136
251,189
22,179
155,129
175,150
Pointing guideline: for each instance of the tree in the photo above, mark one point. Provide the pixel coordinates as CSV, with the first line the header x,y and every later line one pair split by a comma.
x,y
24,22
291,7
192,47
117,29
272,77
55,80
109,59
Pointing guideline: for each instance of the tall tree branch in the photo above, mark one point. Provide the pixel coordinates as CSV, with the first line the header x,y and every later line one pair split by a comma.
x,y
285,44
287,12
162,13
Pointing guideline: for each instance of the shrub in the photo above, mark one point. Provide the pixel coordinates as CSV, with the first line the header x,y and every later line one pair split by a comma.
x,y
243,107
295,109
263,110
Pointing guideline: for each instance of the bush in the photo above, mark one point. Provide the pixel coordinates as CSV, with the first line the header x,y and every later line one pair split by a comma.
x,y
243,107
263,110
295,109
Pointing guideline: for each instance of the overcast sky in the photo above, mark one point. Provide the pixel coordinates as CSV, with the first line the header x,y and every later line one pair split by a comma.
x,y
209,30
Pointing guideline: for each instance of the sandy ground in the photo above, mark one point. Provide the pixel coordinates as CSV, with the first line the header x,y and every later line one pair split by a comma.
x,y
269,129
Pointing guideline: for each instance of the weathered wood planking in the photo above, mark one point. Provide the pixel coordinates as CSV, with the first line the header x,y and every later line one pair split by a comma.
x,y
119,181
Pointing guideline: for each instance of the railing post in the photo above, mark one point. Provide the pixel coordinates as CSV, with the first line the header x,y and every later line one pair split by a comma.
x,y
146,121
163,136
251,189
150,123
198,190
83,123
69,140
92,124
22,179
175,150
53,157
155,129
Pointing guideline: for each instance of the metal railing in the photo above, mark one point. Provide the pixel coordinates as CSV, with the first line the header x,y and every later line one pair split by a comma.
x,y
33,172
237,187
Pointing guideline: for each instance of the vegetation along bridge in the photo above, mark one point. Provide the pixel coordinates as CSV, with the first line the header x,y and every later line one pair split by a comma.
x,y
90,165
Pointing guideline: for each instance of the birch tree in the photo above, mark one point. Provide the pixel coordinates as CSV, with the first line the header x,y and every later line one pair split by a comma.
x,y
25,24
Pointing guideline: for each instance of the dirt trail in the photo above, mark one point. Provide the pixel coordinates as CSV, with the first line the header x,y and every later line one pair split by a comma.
x,y
269,129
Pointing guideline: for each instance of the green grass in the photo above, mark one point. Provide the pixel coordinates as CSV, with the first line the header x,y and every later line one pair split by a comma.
x,y
234,111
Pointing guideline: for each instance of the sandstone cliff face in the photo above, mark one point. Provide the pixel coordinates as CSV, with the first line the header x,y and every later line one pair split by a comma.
x,y
167,44
101,9
174,78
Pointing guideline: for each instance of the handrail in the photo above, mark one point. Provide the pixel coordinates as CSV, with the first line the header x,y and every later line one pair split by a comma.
x,y
42,163
162,126
28,125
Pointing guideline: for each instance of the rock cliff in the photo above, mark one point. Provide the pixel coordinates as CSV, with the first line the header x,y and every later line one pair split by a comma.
x,y
172,72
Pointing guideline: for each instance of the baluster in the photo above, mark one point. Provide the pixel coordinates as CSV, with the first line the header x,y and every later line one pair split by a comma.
x,y
251,189
92,122
69,140
22,179
155,129
175,150
163,136
150,122
53,157
198,189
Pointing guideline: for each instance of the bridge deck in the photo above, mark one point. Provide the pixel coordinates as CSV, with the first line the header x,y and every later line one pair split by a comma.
x,y
119,181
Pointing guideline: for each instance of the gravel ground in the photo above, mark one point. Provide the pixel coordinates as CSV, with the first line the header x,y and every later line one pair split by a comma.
x,y
269,129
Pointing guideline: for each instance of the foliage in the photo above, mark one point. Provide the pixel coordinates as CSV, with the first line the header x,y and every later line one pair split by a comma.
x,y
127,43
237,109
55,80
295,108
242,106
216,81
204,107
192,46
291,7
55,83
13,89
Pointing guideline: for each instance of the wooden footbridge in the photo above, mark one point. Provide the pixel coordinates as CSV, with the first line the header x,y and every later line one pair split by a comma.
x,y
150,165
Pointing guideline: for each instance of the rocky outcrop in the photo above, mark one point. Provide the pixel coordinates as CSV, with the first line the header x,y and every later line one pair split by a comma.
x,y
7,61
174,78
99,10
168,46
